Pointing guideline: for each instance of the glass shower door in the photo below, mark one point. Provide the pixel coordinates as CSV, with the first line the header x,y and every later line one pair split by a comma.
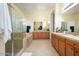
x,y
17,31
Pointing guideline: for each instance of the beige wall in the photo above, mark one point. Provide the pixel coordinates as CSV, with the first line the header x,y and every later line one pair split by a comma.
x,y
39,17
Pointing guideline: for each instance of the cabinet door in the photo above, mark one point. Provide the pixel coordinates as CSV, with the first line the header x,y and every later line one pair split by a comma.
x,y
76,52
52,40
69,50
76,48
43,35
61,48
38,35
48,35
56,43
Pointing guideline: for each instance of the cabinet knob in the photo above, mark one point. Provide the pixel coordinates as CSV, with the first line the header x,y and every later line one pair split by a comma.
x,y
77,51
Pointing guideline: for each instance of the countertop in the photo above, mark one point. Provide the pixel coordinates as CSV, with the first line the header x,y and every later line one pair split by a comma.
x,y
41,31
70,36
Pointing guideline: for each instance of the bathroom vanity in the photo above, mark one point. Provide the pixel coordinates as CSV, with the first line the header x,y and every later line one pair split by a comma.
x,y
65,44
41,35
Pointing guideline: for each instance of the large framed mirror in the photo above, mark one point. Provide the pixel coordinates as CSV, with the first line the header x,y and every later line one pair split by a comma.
x,y
38,26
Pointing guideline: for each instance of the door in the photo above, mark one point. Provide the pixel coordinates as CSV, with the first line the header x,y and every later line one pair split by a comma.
x,y
17,31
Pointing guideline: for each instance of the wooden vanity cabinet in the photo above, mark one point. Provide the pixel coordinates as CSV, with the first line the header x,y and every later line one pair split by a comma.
x,y
55,38
58,43
47,35
52,40
72,48
61,46
65,46
69,48
76,51
41,35
35,35
76,48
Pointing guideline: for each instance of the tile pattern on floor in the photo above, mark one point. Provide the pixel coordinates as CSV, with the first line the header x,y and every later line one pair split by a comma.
x,y
41,48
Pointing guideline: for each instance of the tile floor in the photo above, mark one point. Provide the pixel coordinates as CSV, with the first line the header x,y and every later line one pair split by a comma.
x,y
40,48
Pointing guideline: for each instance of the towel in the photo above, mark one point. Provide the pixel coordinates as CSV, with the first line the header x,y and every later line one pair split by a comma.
x,y
1,18
7,23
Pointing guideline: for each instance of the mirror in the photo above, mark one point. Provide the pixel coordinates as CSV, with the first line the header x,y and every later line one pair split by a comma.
x,y
41,26
38,26
69,26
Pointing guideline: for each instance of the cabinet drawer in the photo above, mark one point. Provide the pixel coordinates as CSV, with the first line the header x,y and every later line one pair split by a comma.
x,y
70,42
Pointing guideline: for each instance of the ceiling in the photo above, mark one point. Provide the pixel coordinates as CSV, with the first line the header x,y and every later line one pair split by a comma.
x,y
35,7
74,9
